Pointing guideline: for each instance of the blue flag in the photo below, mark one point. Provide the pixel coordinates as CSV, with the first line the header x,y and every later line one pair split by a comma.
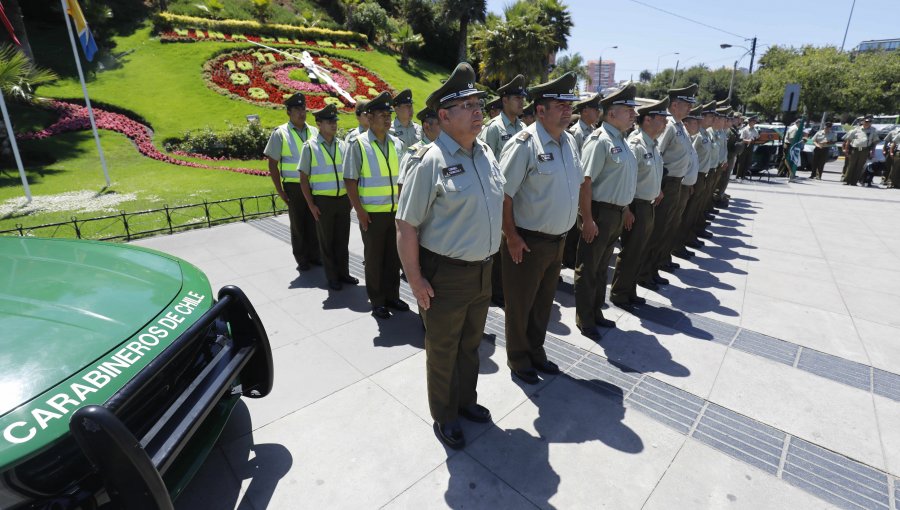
x,y
81,27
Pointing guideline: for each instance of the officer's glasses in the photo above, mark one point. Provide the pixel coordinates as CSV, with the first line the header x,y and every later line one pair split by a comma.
x,y
468,106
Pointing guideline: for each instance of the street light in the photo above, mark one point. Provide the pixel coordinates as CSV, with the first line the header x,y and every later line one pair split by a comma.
x,y
661,56
600,65
674,74
734,69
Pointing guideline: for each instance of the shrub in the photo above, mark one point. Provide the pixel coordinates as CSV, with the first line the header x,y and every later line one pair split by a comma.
x,y
165,21
246,141
370,19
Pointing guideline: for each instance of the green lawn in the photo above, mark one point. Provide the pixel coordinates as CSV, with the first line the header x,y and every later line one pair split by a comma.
x,y
162,83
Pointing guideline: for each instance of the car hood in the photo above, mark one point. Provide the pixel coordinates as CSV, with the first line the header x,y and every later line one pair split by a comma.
x,y
50,329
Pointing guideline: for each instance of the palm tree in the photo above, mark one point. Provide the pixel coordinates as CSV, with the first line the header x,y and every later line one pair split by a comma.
x,y
552,14
645,76
570,63
466,11
406,39
509,48
18,76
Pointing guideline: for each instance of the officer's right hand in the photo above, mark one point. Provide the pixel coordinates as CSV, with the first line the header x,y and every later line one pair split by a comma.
x,y
314,209
589,231
516,246
283,196
364,219
423,292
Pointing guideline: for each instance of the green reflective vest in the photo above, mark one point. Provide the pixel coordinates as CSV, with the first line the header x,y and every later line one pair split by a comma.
x,y
291,142
378,176
325,175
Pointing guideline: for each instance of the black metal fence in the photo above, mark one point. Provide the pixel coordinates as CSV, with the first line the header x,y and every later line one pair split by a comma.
x,y
132,225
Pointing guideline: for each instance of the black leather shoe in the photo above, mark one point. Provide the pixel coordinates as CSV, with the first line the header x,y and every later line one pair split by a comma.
x,y
498,301
591,332
659,280
547,367
476,413
381,312
303,266
705,234
335,285
694,243
637,300
649,285
670,266
528,376
397,304
682,254
450,434
624,304
710,216
348,280
605,323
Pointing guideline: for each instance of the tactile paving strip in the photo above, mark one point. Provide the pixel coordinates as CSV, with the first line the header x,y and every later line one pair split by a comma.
x,y
741,437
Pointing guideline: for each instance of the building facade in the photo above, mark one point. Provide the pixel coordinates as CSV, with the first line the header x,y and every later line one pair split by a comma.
x,y
601,75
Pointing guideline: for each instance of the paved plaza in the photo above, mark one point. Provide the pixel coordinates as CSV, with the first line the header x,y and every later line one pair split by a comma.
x,y
764,376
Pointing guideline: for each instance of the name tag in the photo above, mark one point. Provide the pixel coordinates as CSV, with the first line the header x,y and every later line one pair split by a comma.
x,y
505,137
450,171
398,133
547,156
615,150
648,156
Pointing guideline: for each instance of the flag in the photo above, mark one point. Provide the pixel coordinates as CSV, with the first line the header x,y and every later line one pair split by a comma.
x,y
81,26
8,25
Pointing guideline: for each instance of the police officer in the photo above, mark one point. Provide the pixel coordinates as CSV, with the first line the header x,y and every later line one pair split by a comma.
x,y
283,153
543,174
749,134
431,128
528,114
708,156
610,180
493,108
675,148
362,122
651,122
449,226
688,183
322,182
858,143
371,168
588,112
403,128
717,188
823,140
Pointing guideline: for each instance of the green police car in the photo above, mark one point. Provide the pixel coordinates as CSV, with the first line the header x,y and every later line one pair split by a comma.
x,y
118,370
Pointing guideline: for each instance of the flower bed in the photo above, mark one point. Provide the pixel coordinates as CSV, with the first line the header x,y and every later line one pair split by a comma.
x,y
196,34
166,22
263,78
74,117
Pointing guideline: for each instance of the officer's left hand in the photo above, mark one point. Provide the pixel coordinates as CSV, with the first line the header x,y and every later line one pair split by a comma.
x,y
516,246
658,198
629,219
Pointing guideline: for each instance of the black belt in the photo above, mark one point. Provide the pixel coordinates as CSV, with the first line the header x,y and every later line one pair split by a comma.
x,y
670,178
642,201
541,235
607,205
454,262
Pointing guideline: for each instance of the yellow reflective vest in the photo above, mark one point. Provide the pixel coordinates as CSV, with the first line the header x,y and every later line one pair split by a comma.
x,y
291,142
378,176
325,175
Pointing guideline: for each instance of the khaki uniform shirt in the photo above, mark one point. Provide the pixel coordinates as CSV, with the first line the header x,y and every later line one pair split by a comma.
x,y
791,133
610,164
454,199
353,157
861,138
690,178
543,178
407,135
273,146
499,131
703,144
749,134
649,165
719,139
580,131
305,164
675,147
351,136
892,137
824,138
405,157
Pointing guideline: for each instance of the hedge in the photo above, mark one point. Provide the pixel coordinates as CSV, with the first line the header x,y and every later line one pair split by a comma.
x,y
165,21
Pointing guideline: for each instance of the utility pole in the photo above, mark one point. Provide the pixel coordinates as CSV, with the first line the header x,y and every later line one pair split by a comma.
x,y
752,54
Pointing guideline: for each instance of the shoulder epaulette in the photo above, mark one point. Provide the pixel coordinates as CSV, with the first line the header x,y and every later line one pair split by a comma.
x,y
422,150
523,136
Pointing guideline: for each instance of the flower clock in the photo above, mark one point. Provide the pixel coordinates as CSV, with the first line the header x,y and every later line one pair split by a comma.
x,y
267,78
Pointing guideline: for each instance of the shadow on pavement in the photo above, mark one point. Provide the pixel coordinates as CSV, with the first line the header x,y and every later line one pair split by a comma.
x,y
633,351
404,328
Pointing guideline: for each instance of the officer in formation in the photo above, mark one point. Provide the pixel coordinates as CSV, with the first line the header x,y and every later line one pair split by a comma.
x,y
371,169
283,154
403,128
431,128
362,122
528,114
823,140
543,175
449,223
688,183
858,144
608,187
493,108
723,123
749,135
651,121
322,182
708,157
734,146
498,132
588,111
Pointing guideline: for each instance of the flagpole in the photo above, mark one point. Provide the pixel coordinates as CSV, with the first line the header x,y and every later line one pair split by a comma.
x,y
87,100
15,148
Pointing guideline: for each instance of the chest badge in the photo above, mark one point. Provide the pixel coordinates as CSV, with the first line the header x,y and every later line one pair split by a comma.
x,y
547,156
615,150
451,171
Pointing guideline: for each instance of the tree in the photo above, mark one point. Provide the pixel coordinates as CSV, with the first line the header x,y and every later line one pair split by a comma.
x,y
466,11
570,64
510,48
18,77
426,17
645,76
552,14
14,13
406,40
369,18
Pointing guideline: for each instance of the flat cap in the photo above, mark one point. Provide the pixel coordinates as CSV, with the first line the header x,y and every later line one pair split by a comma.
x,y
723,103
514,88
723,111
361,106
402,97
561,89
591,102
709,108
380,102
426,113
684,94
624,96
528,109
297,99
460,84
494,104
696,113
752,118
867,118
657,108
327,113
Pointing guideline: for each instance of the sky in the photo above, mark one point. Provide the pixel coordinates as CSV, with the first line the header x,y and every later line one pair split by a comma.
x,y
645,35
